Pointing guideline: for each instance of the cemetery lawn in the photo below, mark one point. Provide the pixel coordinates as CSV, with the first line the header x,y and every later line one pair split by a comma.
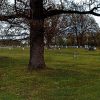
x,y
67,77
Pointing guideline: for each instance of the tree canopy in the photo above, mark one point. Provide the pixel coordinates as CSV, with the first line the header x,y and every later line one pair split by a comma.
x,y
22,8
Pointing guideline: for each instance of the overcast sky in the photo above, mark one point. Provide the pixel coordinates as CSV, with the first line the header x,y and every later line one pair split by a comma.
x,y
97,19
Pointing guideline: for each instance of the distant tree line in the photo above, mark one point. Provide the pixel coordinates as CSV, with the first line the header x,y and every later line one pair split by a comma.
x,y
66,29
72,30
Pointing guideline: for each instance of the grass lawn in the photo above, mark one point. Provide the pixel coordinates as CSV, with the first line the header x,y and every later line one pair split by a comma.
x,y
67,77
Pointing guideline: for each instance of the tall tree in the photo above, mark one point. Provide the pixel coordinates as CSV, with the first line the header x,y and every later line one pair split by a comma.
x,y
36,11
36,35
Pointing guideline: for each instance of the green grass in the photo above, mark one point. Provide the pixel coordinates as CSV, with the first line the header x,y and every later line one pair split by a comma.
x,y
67,78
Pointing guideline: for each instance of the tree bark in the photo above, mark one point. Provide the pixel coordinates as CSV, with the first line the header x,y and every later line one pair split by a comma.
x,y
36,60
36,45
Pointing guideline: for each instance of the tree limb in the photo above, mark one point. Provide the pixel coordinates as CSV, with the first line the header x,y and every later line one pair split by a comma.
x,y
56,12
6,17
49,14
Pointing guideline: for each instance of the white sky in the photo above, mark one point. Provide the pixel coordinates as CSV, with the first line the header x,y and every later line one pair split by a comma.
x,y
97,19
12,1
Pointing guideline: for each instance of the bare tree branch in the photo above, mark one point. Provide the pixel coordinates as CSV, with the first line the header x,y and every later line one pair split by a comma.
x,y
56,12
6,17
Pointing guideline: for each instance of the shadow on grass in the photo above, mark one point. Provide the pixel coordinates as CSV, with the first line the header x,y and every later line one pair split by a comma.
x,y
6,62
59,82
67,74
72,77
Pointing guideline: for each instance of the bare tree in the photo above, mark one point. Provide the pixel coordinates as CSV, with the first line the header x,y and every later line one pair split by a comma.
x,y
81,25
51,29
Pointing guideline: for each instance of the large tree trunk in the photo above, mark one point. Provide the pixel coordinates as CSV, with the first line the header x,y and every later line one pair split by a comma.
x,y
36,45
36,35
